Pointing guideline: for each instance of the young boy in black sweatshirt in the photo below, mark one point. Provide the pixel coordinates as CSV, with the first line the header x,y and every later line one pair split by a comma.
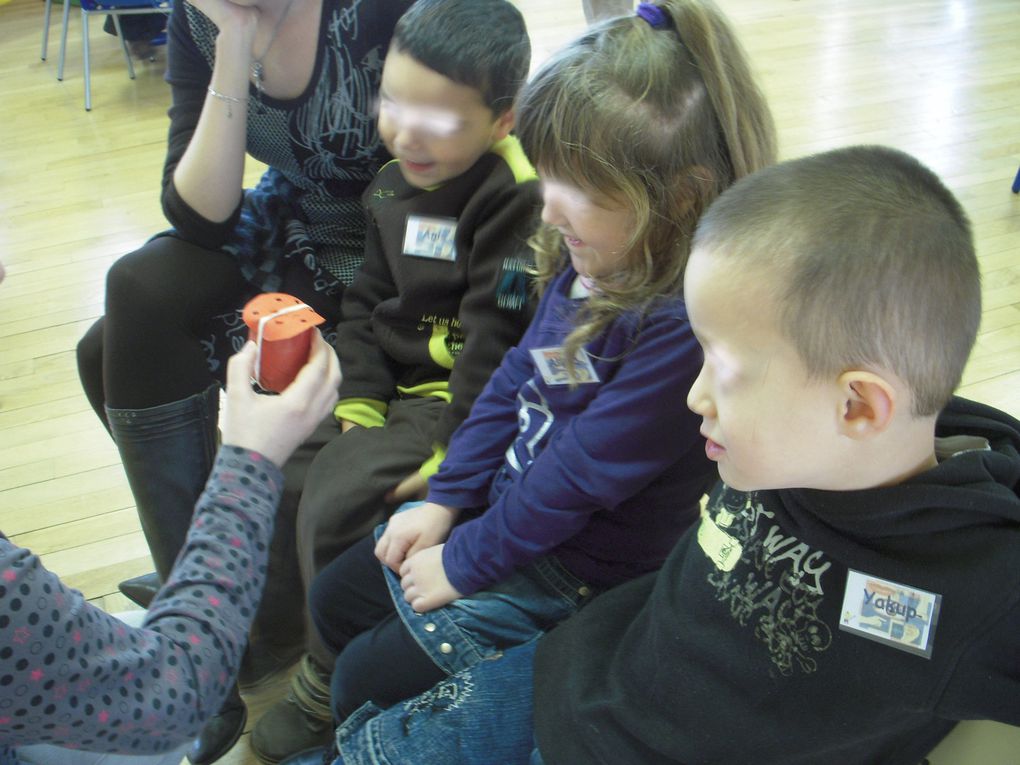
x,y
853,589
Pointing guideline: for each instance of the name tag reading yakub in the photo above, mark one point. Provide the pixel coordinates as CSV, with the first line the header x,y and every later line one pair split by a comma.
x,y
891,613
434,238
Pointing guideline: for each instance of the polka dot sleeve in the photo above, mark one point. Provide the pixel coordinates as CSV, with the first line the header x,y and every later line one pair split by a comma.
x,y
75,676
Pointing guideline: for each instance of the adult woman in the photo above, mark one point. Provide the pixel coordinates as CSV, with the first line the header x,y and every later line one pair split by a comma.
x,y
293,83
76,676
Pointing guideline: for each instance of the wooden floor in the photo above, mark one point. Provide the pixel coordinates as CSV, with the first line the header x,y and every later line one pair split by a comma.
x,y
937,78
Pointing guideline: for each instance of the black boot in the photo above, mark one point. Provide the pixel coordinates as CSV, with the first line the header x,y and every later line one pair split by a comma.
x,y
221,732
167,452
151,443
141,589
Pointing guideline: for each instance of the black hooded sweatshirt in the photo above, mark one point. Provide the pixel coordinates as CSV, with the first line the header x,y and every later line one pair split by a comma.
x,y
761,638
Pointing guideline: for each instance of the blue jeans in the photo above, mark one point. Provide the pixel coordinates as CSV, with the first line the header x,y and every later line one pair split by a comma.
x,y
480,716
528,603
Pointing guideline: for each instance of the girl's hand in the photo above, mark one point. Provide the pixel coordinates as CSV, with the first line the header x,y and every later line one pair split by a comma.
x,y
424,581
413,530
275,426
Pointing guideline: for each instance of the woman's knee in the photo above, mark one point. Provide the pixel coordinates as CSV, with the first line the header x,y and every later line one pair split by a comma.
x,y
170,274
134,284
89,355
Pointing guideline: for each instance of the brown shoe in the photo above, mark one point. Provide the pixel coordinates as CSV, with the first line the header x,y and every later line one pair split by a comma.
x,y
302,720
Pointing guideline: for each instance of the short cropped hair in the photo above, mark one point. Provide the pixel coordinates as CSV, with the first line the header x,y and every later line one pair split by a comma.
x,y
873,263
483,44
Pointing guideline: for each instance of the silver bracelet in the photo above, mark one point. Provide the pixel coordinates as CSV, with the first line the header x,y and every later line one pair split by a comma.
x,y
229,99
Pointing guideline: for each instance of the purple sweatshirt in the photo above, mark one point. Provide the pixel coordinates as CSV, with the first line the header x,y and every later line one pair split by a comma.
x,y
604,475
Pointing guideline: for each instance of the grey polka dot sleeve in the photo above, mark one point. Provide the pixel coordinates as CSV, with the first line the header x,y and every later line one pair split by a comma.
x,y
75,676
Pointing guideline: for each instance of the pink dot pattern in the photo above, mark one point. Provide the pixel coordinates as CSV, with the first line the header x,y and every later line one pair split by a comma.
x,y
75,676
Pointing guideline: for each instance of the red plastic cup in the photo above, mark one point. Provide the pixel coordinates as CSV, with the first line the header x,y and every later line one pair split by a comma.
x,y
281,326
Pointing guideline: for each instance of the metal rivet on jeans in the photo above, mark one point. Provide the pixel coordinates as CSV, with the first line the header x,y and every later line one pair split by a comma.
x,y
430,627
445,648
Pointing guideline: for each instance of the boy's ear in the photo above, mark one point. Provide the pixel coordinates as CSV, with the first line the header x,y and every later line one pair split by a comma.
x,y
503,125
867,403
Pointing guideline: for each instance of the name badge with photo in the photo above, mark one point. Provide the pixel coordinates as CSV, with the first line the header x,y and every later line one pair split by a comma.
x,y
721,547
552,365
896,614
434,238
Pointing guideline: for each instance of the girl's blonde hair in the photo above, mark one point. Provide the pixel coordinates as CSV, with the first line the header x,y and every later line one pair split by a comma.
x,y
660,120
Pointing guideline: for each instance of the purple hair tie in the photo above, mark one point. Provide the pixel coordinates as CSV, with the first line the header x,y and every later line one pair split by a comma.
x,y
656,17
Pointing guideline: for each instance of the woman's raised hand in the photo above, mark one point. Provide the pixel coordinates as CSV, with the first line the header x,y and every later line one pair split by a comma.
x,y
235,21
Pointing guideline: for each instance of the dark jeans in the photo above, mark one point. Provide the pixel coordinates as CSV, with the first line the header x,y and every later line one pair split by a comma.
x,y
378,659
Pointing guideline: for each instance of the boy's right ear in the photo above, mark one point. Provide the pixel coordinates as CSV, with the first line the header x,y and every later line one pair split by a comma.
x,y
868,404
503,125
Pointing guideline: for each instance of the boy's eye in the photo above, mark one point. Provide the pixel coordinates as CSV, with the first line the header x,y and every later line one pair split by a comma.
x,y
434,122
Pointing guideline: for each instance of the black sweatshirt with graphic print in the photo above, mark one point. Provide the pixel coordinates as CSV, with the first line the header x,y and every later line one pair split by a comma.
x,y
800,626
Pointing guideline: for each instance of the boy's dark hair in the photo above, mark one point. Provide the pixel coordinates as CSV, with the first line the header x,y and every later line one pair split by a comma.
x,y
872,263
479,43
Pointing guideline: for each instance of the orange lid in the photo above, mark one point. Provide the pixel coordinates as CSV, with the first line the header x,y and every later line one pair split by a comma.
x,y
282,316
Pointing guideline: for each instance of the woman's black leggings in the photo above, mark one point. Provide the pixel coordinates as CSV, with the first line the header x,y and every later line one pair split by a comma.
x,y
146,351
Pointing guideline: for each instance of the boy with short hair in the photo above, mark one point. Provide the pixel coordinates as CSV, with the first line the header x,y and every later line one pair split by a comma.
x,y
442,294
853,588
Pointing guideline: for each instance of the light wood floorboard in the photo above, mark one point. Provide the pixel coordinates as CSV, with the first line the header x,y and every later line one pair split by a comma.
x,y
937,78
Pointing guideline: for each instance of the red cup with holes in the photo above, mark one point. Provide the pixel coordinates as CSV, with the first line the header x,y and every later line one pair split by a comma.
x,y
281,327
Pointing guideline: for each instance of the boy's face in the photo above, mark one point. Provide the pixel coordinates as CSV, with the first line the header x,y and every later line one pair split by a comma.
x,y
435,127
768,425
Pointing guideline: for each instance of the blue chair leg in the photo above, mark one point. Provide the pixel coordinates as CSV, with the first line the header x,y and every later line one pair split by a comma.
x,y
85,58
1016,183
63,39
123,45
46,30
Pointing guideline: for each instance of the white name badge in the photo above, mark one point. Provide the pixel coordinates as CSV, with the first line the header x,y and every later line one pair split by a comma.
x,y
552,365
723,549
426,237
888,612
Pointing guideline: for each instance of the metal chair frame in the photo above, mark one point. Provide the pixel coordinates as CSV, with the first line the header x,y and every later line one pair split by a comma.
x,y
110,8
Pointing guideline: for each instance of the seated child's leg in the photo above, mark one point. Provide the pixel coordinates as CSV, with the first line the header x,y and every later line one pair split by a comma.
x,y
379,661
281,622
342,497
383,666
476,717
349,596
512,612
